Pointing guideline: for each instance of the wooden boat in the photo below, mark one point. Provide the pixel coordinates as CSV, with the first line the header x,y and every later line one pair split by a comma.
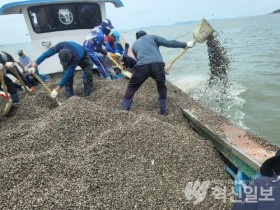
x,y
244,153
52,21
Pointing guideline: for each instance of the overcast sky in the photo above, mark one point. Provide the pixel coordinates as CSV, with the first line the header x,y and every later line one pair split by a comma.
x,y
137,13
141,13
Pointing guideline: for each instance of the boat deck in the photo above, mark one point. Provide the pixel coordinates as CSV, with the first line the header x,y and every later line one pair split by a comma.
x,y
243,141
238,146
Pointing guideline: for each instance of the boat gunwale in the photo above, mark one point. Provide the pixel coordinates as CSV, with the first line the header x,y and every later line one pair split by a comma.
x,y
17,5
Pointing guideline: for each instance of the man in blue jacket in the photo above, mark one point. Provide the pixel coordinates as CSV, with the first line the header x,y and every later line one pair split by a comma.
x,y
94,46
71,55
150,64
264,192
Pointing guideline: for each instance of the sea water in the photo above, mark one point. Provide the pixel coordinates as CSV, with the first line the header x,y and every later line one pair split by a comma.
x,y
252,99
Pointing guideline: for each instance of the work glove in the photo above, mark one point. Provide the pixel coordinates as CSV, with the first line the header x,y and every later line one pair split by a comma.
x,y
31,89
9,65
54,93
190,44
31,70
26,69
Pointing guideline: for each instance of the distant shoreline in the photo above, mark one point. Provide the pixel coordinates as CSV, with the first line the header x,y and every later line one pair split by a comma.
x,y
276,11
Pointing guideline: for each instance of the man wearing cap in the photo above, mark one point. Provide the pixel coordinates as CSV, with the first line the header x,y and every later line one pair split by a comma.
x,y
150,64
26,62
111,42
112,45
9,61
94,46
266,188
71,55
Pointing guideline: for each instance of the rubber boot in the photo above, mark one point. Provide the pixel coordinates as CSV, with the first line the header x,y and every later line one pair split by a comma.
x,y
87,90
162,106
14,98
69,91
109,78
87,84
126,104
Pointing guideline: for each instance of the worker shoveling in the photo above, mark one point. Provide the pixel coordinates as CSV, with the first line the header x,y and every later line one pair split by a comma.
x,y
6,101
201,33
13,69
124,72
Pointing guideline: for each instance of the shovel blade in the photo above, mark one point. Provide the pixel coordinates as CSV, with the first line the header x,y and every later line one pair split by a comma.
x,y
7,108
202,31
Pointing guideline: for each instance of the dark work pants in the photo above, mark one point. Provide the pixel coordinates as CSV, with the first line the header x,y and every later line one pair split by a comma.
x,y
141,74
86,65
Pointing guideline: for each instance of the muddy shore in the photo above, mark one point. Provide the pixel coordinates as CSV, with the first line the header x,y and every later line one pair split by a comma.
x,y
88,154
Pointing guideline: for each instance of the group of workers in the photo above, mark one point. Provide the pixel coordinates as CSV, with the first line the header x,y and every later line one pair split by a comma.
x,y
148,62
12,77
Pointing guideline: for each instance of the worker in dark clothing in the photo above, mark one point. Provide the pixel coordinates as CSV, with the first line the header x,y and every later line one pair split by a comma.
x,y
113,46
8,60
26,62
71,55
12,90
150,64
264,192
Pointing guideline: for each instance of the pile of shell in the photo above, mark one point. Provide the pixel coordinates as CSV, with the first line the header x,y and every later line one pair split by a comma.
x,y
88,154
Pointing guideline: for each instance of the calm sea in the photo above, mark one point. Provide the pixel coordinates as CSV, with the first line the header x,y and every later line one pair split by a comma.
x,y
252,97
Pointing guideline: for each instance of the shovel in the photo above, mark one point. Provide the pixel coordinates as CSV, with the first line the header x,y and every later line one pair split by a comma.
x,y
47,89
124,72
9,103
200,34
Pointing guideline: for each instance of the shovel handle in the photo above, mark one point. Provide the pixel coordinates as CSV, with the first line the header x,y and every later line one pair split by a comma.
x,y
126,73
3,84
48,90
176,58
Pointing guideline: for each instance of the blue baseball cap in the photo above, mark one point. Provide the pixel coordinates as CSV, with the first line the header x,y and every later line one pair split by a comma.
x,y
64,56
107,24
